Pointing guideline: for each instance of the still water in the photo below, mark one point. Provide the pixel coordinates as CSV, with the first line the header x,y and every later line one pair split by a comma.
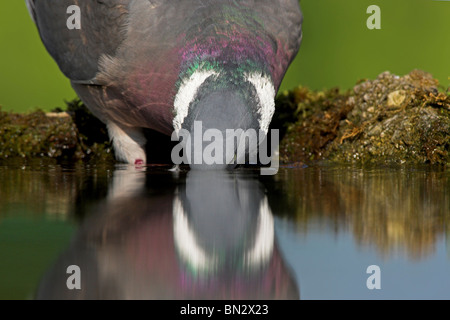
x,y
152,233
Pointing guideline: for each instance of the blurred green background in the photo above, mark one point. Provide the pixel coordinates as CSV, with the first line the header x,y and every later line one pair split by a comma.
x,y
338,49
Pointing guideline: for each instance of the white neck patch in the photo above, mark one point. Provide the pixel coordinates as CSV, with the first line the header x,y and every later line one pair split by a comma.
x,y
266,94
189,88
186,94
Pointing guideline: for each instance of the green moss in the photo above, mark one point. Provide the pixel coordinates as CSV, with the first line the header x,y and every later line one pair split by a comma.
x,y
73,136
308,121
389,120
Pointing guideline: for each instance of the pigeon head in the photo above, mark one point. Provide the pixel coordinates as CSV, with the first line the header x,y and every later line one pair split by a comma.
x,y
229,77
226,110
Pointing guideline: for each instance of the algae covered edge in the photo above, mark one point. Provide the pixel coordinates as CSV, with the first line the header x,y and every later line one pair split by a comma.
x,y
73,135
388,120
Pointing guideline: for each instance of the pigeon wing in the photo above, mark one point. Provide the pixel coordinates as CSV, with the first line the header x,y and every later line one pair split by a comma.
x,y
78,51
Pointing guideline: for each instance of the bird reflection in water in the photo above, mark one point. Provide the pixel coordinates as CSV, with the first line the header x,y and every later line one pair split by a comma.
x,y
201,235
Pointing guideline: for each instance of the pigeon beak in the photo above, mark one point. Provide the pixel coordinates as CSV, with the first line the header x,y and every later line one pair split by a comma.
x,y
218,125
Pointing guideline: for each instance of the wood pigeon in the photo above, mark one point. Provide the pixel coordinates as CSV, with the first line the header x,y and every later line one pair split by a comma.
x,y
167,64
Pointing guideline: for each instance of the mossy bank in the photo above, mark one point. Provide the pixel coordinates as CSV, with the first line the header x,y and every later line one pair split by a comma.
x,y
73,135
389,120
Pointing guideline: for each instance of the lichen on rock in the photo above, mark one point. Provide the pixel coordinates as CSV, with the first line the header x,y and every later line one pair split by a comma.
x,y
389,120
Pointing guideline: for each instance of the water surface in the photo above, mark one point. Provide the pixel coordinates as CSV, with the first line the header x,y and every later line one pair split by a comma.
x,y
151,233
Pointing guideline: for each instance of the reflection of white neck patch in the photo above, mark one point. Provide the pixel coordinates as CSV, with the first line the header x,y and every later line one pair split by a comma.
x,y
201,261
186,94
266,94
262,250
186,242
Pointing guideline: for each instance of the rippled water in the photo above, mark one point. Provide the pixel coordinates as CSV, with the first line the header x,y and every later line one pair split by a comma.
x,y
150,233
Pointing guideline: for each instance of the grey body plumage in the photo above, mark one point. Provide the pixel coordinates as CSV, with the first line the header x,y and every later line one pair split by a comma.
x,y
131,57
